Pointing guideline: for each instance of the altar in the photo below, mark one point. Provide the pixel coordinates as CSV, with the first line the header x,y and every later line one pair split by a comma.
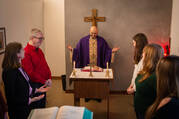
x,y
95,86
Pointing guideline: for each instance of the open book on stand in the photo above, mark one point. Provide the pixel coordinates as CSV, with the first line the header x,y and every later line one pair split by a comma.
x,y
64,112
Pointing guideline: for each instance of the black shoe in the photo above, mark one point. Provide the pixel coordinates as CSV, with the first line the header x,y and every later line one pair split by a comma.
x,y
87,99
98,100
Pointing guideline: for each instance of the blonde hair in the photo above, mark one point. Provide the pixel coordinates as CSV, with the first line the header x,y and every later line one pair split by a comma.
x,y
152,54
35,32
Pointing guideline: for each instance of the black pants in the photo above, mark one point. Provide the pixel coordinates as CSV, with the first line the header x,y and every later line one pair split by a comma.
x,y
41,103
19,113
88,99
140,115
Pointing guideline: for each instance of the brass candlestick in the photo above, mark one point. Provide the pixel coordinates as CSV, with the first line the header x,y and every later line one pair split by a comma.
x,y
90,74
74,72
107,70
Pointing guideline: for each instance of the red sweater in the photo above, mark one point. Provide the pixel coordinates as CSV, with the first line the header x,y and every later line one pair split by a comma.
x,y
35,65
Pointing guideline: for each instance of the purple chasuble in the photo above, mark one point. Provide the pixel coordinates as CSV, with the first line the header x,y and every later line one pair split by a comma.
x,y
81,52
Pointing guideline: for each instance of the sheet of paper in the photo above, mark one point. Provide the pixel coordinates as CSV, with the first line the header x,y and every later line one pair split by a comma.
x,y
44,113
70,112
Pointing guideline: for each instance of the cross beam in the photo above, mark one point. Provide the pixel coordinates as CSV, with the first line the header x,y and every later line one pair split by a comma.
x,y
94,19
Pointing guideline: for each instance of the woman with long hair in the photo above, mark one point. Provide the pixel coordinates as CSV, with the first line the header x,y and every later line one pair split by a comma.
x,y
146,80
166,105
139,42
18,91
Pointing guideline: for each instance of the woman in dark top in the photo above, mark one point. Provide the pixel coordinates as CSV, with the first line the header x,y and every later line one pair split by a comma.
x,y
166,105
146,80
3,107
17,88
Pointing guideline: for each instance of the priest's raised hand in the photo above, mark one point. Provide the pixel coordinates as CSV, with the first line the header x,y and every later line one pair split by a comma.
x,y
115,49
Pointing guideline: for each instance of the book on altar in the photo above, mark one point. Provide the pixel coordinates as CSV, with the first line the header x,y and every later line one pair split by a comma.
x,y
93,68
64,112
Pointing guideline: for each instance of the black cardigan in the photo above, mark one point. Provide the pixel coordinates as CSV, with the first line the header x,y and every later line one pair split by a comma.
x,y
16,90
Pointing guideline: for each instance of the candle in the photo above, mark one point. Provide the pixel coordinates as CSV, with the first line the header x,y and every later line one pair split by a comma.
x,y
74,64
107,65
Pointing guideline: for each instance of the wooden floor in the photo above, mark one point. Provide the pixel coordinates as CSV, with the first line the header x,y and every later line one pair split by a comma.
x,y
121,106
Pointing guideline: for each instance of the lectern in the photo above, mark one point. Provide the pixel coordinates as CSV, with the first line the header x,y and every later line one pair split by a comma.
x,y
96,86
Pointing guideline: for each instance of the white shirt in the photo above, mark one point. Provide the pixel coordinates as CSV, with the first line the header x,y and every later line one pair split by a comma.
x,y
137,68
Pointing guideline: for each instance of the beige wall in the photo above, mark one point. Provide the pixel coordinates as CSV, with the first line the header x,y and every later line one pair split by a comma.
x,y
54,35
175,28
18,17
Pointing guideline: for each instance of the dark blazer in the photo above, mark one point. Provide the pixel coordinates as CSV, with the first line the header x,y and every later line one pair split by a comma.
x,y
17,93
3,106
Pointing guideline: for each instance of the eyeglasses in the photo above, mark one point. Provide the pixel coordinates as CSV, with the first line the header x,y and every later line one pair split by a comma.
x,y
40,38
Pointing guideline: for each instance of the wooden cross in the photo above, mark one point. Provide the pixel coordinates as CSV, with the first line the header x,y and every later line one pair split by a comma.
x,y
94,19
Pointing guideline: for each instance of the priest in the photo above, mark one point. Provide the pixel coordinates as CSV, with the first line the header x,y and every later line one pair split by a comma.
x,y
92,49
